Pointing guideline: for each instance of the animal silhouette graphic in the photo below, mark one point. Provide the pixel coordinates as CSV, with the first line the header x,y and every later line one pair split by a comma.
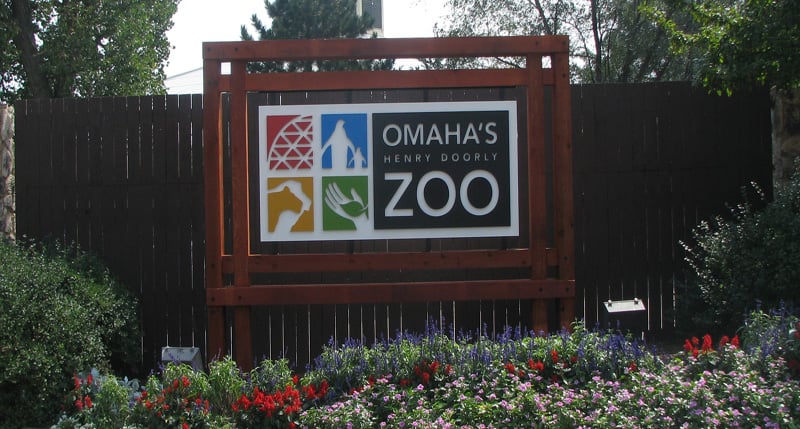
x,y
288,205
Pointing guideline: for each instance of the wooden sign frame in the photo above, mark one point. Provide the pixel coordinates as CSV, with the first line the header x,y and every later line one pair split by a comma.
x,y
541,286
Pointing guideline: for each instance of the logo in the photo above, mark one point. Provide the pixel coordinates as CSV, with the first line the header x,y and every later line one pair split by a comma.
x,y
378,171
290,140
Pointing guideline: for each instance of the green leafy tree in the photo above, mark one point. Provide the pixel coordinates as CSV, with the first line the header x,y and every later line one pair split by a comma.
x,y
745,43
611,40
83,48
313,19
628,46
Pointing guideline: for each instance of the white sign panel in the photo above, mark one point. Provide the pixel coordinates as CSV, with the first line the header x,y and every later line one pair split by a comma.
x,y
381,171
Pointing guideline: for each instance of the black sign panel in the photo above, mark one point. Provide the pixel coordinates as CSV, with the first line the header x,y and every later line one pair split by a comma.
x,y
441,170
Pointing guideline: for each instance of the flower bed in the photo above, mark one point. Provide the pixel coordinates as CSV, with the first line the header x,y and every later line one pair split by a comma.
x,y
577,379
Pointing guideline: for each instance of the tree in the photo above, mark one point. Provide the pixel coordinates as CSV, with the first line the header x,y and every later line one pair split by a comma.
x,y
629,47
611,40
313,19
745,43
61,48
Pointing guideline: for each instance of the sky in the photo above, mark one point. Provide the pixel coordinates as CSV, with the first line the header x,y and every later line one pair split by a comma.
x,y
199,21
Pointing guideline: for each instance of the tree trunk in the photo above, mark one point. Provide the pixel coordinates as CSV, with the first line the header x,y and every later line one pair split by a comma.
x,y
598,43
785,134
35,82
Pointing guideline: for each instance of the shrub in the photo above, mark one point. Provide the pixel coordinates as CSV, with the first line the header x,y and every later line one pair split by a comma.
x,y
61,313
750,259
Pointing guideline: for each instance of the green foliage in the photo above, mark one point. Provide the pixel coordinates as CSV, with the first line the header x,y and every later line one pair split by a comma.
x,y
61,312
516,379
177,397
773,333
102,401
225,382
745,43
610,40
313,19
83,48
749,259
271,375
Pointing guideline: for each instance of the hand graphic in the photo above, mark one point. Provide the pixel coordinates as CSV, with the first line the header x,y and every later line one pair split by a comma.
x,y
349,207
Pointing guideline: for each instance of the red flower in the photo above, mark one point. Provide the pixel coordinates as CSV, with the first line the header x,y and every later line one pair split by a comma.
x,y
426,378
536,366
88,401
695,341
554,355
185,425
707,347
632,367
724,341
735,341
510,368
77,382
185,381
242,404
317,392
688,347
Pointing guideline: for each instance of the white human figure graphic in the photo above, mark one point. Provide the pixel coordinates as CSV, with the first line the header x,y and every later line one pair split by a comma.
x,y
358,160
340,147
290,215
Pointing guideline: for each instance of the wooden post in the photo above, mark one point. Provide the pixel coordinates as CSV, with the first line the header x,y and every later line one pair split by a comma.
x,y
214,212
537,208
563,215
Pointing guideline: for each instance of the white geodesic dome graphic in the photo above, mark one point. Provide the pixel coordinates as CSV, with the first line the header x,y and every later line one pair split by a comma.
x,y
292,148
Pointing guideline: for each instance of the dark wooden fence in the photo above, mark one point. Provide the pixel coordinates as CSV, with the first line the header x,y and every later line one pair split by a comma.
x,y
651,162
122,177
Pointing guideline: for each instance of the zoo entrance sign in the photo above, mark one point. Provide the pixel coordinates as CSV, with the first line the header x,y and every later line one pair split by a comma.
x,y
388,171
